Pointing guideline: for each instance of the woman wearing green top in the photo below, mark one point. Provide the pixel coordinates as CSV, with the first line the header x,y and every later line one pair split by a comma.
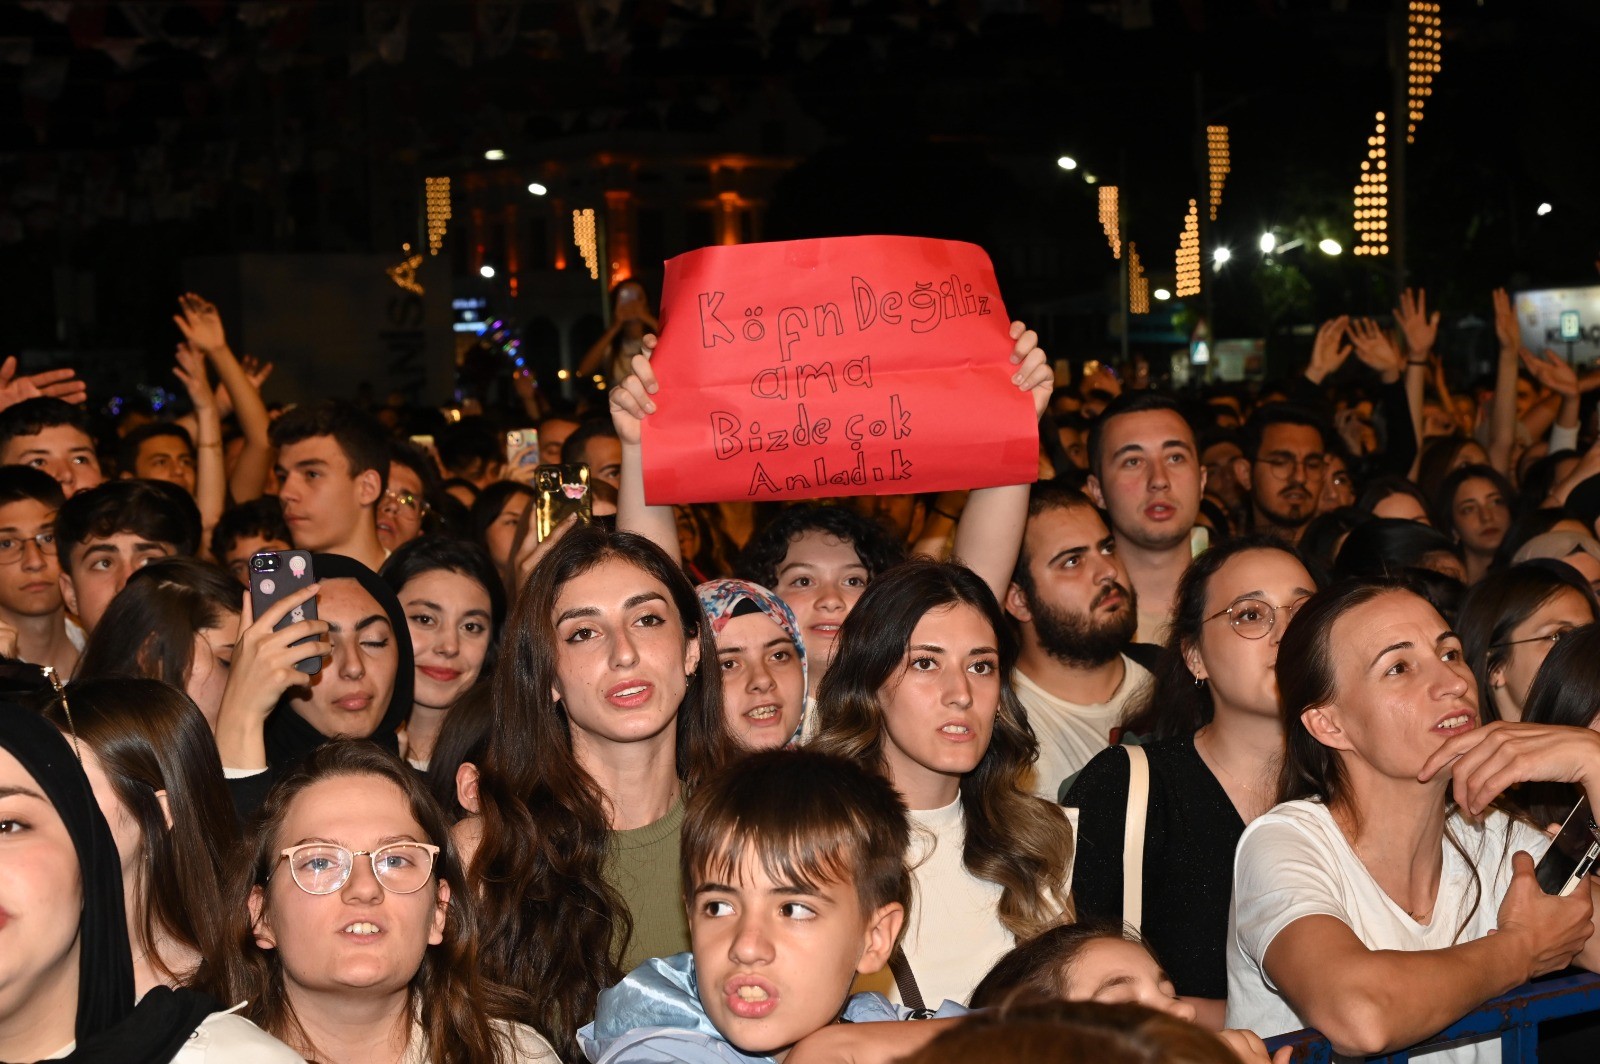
x,y
607,707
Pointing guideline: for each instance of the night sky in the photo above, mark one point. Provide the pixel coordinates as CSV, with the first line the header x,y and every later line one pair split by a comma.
x,y
135,135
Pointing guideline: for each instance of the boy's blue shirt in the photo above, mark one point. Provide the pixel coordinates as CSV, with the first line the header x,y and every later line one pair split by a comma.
x,y
654,1016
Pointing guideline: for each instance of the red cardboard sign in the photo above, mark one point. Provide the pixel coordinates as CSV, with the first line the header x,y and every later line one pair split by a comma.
x,y
846,366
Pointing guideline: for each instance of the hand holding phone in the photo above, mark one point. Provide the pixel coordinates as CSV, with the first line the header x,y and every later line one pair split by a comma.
x,y
1572,853
276,575
563,492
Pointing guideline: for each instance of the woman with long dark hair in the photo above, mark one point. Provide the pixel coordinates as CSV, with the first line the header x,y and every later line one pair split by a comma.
x,y
921,690
454,607
1474,508
361,943
176,621
1510,620
67,988
1211,769
1368,883
156,776
607,707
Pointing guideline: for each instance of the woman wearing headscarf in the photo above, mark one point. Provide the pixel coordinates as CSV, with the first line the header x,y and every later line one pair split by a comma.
x,y
762,660
66,970
272,713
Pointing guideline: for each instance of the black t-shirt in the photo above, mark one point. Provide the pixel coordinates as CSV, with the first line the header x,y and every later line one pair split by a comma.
x,y
1191,833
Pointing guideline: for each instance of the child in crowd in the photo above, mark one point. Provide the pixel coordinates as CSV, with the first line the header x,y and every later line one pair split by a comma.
x,y
795,879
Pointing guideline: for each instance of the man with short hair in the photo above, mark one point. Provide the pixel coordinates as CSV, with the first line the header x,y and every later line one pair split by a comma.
x,y
106,533
597,446
244,531
333,465
1145,472
30,575
1076,612
1285,459
159,450
54,436
413,479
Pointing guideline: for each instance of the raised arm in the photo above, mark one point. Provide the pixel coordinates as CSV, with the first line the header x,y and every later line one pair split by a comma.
x,y
263,669
989,534
632,401
1366,1001
1503,414
210,493
60,384
201,326
1420,330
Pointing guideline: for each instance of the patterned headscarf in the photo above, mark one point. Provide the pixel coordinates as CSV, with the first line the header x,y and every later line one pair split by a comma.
x,y
721,598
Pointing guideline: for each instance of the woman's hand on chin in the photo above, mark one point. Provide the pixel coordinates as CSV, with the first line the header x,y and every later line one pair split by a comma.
x,y
1485,761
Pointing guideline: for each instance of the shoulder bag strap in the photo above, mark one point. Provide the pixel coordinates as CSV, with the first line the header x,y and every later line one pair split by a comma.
x,y
1133,838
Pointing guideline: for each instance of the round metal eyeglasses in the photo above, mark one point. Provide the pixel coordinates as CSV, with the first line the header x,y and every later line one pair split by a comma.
x,y
322,867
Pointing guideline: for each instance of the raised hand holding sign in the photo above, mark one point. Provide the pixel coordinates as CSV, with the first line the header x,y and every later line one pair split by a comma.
x,y
845,366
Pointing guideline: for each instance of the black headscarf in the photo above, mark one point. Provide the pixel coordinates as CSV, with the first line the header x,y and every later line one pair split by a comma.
x,y
290,736
108,1027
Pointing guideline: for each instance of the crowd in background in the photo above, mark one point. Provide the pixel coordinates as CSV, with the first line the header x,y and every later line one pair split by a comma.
x,y
1251,714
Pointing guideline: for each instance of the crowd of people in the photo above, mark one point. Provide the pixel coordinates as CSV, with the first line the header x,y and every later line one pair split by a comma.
x,y
1253,713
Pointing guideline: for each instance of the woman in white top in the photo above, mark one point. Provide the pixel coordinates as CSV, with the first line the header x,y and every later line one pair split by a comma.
x,y
66,971
1367,905
920,689
356,948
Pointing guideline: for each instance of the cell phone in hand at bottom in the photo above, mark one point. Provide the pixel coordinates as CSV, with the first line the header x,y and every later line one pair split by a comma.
x,y
274,576
1572,853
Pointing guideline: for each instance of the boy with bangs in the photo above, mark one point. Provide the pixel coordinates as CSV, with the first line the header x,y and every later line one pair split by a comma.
x,y
795,879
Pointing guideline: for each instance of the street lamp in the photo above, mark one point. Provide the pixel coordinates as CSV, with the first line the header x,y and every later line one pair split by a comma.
x,y
1220,256
1162,294
537,189
494,155
1067,162
1544,209
486,272
1268,242
1329,246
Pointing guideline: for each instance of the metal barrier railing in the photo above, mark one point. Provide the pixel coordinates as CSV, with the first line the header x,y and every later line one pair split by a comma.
x,y
1515,1017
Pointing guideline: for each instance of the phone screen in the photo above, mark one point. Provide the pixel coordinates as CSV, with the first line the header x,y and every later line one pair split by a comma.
x,y
1571,854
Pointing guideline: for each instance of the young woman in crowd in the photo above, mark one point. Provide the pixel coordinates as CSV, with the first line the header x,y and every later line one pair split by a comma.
x,y
1510,621
177,621
816,559
454,606
272,713
762,658
1212,768
1565,692
1388,546
607,708
921,690
1474,504
496,515
1368,882
68,989
153,767
361,944
1394,496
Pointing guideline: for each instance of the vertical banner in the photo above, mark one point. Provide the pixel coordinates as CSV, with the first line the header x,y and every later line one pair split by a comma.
x,y
845,366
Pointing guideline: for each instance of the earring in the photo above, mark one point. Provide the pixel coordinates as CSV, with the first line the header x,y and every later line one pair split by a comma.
x,y
1199,681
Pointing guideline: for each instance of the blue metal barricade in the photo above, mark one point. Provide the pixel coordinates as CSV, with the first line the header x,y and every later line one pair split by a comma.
x,y
1515,1017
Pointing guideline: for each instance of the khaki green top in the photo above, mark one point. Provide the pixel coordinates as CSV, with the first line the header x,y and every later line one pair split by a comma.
x,y
644,870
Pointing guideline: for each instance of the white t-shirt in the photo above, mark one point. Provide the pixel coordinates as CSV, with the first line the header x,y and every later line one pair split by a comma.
x,y
953,932
1070,734
1294,862
527,1046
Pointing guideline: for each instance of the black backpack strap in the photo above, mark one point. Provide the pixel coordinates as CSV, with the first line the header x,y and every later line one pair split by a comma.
x,y
906,982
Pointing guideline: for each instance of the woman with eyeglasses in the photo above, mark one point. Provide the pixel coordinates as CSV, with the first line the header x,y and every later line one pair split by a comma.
x,y
1386,896
1509,622
1212,765
360,947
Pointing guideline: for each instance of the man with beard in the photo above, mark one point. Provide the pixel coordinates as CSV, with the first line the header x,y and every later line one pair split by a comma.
x,y
1145,472
1075,613
1285,460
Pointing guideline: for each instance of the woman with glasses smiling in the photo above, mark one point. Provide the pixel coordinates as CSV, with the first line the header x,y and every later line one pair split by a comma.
x,y
360,945
1211,767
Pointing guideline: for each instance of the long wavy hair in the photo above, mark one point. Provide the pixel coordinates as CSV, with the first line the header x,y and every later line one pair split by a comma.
x,y
1178,706
458,1008
556,928
1013,839
149,737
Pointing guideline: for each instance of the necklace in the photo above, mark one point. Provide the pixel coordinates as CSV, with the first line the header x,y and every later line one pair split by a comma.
x,y
1217,761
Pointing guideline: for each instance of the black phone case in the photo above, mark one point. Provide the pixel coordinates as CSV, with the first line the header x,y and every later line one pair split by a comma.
x,y
276,579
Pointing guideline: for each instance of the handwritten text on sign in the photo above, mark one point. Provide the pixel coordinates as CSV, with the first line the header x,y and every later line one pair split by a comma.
x,y
848,366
